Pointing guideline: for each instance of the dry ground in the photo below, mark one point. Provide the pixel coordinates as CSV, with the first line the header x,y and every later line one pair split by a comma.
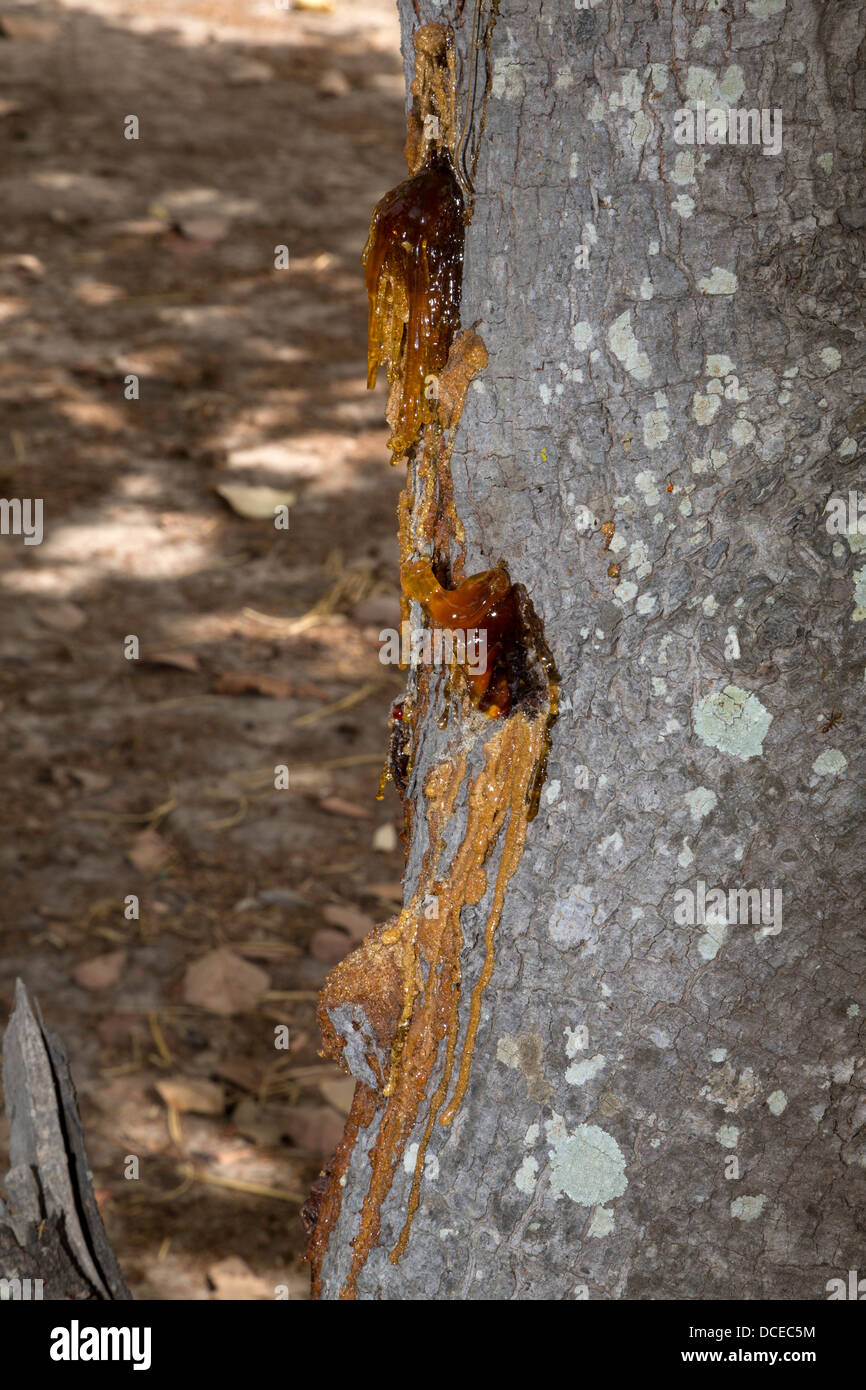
x,y
154,777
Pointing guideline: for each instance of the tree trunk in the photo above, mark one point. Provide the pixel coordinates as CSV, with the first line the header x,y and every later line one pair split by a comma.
x,y
664,1099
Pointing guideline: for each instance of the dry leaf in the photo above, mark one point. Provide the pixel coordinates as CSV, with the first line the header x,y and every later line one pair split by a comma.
x,y
210,229
244,1072
315,1127
329,945
26,29
254,503
261,1124
356,923
339,1091
333,83
233,1280
248,71
193,1094
183,661
388,892
60,617
148,853
90,781
336,806
380,610
100,972
224,983
385,839
260,683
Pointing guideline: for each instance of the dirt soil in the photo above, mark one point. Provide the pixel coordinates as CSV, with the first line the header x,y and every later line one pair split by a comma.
x,y
151,777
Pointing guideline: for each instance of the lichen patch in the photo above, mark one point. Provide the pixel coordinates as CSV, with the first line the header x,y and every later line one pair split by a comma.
x,y
587,1165
734,721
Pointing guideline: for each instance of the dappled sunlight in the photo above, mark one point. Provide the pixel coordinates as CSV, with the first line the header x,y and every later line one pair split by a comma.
x,y
154,364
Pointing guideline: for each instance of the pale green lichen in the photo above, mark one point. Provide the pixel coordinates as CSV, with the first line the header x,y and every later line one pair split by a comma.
x,y
713,940
859,596
704,85
581,1072
748,1208
728,1136
700,802
762,9
829,763
655,429
624,346
719,281
525,1177
704,408
777,1101
588,1166
734,721
601,1223
742,433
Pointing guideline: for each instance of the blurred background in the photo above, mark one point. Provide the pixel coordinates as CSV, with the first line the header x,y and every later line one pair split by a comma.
x,y
153,779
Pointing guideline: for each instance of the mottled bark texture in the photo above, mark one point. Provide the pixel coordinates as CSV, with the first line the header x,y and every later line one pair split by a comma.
x,y
698,383
50,1226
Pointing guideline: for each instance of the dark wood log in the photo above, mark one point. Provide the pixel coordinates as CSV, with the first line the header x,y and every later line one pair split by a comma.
x,y
50,1226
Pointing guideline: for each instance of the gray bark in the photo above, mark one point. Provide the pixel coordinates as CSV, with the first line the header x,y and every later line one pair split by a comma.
x,y
594,1164
50,1226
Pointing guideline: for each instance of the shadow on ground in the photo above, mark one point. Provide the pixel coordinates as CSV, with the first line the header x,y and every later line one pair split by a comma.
x,y
153,779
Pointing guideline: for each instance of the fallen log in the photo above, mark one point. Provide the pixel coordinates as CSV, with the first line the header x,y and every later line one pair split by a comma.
x,y
51,1232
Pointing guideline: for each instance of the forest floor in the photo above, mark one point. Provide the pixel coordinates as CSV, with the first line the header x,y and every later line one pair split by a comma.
x,y
153,778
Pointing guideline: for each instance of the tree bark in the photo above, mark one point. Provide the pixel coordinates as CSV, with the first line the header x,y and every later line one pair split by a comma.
x,y
53,1244
655,1109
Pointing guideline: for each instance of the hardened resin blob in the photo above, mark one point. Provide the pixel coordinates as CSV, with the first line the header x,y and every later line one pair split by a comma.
x,y
484,602
413,268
